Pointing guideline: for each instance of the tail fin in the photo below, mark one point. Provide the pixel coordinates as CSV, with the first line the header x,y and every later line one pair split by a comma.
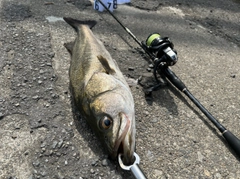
x,y
75,23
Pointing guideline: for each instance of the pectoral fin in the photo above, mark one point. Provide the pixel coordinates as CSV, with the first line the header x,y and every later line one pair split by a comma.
x,y
106,65
69,46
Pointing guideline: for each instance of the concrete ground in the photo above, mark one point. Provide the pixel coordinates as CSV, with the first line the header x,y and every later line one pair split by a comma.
x,y
43,137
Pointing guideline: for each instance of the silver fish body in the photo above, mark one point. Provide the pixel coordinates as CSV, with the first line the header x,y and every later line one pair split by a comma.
x,y
101,92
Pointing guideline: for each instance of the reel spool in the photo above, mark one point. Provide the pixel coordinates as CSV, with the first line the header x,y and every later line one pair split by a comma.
x,y
161,48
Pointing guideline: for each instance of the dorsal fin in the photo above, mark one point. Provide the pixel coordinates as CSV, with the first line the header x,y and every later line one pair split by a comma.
x,y
69,46
76,23
106,65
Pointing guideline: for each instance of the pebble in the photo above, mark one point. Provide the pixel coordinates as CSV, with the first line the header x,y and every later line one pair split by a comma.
x,y
43,173
41,71
49,64
58,154
14,136
17,126
43,150
51,55
36,163
158,173
105,162
146,113
149,154
60,176
233,76
54,145
207,173
154,120
218,175
131,68
92,171
17,104
24,97
43,144
54,96
150,66
200,156
60,143
149,69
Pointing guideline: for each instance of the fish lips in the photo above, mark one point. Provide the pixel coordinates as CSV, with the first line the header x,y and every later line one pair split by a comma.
x,y
125,144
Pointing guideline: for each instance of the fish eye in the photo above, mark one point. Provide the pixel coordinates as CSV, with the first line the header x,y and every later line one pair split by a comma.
x,y
105,122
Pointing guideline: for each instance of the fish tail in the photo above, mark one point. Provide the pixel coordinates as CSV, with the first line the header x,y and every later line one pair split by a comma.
x,y
76,23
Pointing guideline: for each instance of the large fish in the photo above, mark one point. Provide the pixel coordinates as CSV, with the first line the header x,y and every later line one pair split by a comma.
x,y
101,92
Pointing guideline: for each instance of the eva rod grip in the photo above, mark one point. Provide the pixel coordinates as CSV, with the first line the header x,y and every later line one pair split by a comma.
x,y
173,78
233,141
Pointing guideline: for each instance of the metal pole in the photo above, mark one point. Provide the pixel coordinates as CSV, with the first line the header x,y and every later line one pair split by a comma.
x,y
134,168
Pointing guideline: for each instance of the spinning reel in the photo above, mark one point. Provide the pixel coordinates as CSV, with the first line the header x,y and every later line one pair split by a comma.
x,y
162,49
162,53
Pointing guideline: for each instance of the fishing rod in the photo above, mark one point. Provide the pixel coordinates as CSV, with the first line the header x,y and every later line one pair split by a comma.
x,y
161,51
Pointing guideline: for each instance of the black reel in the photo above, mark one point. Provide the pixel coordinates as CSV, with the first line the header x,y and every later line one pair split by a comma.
x,y
160,47
161,50
163,55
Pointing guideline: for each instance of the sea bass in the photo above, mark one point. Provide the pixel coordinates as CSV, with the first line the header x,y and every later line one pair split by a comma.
x,y
101,92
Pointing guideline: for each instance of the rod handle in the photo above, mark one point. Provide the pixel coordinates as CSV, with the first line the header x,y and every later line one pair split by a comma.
x,y
173,78
233,141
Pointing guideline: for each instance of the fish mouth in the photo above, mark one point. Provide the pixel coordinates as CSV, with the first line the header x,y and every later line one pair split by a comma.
x,y
123,144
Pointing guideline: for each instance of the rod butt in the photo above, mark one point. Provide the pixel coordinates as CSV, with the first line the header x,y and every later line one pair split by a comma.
x,y
233,141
